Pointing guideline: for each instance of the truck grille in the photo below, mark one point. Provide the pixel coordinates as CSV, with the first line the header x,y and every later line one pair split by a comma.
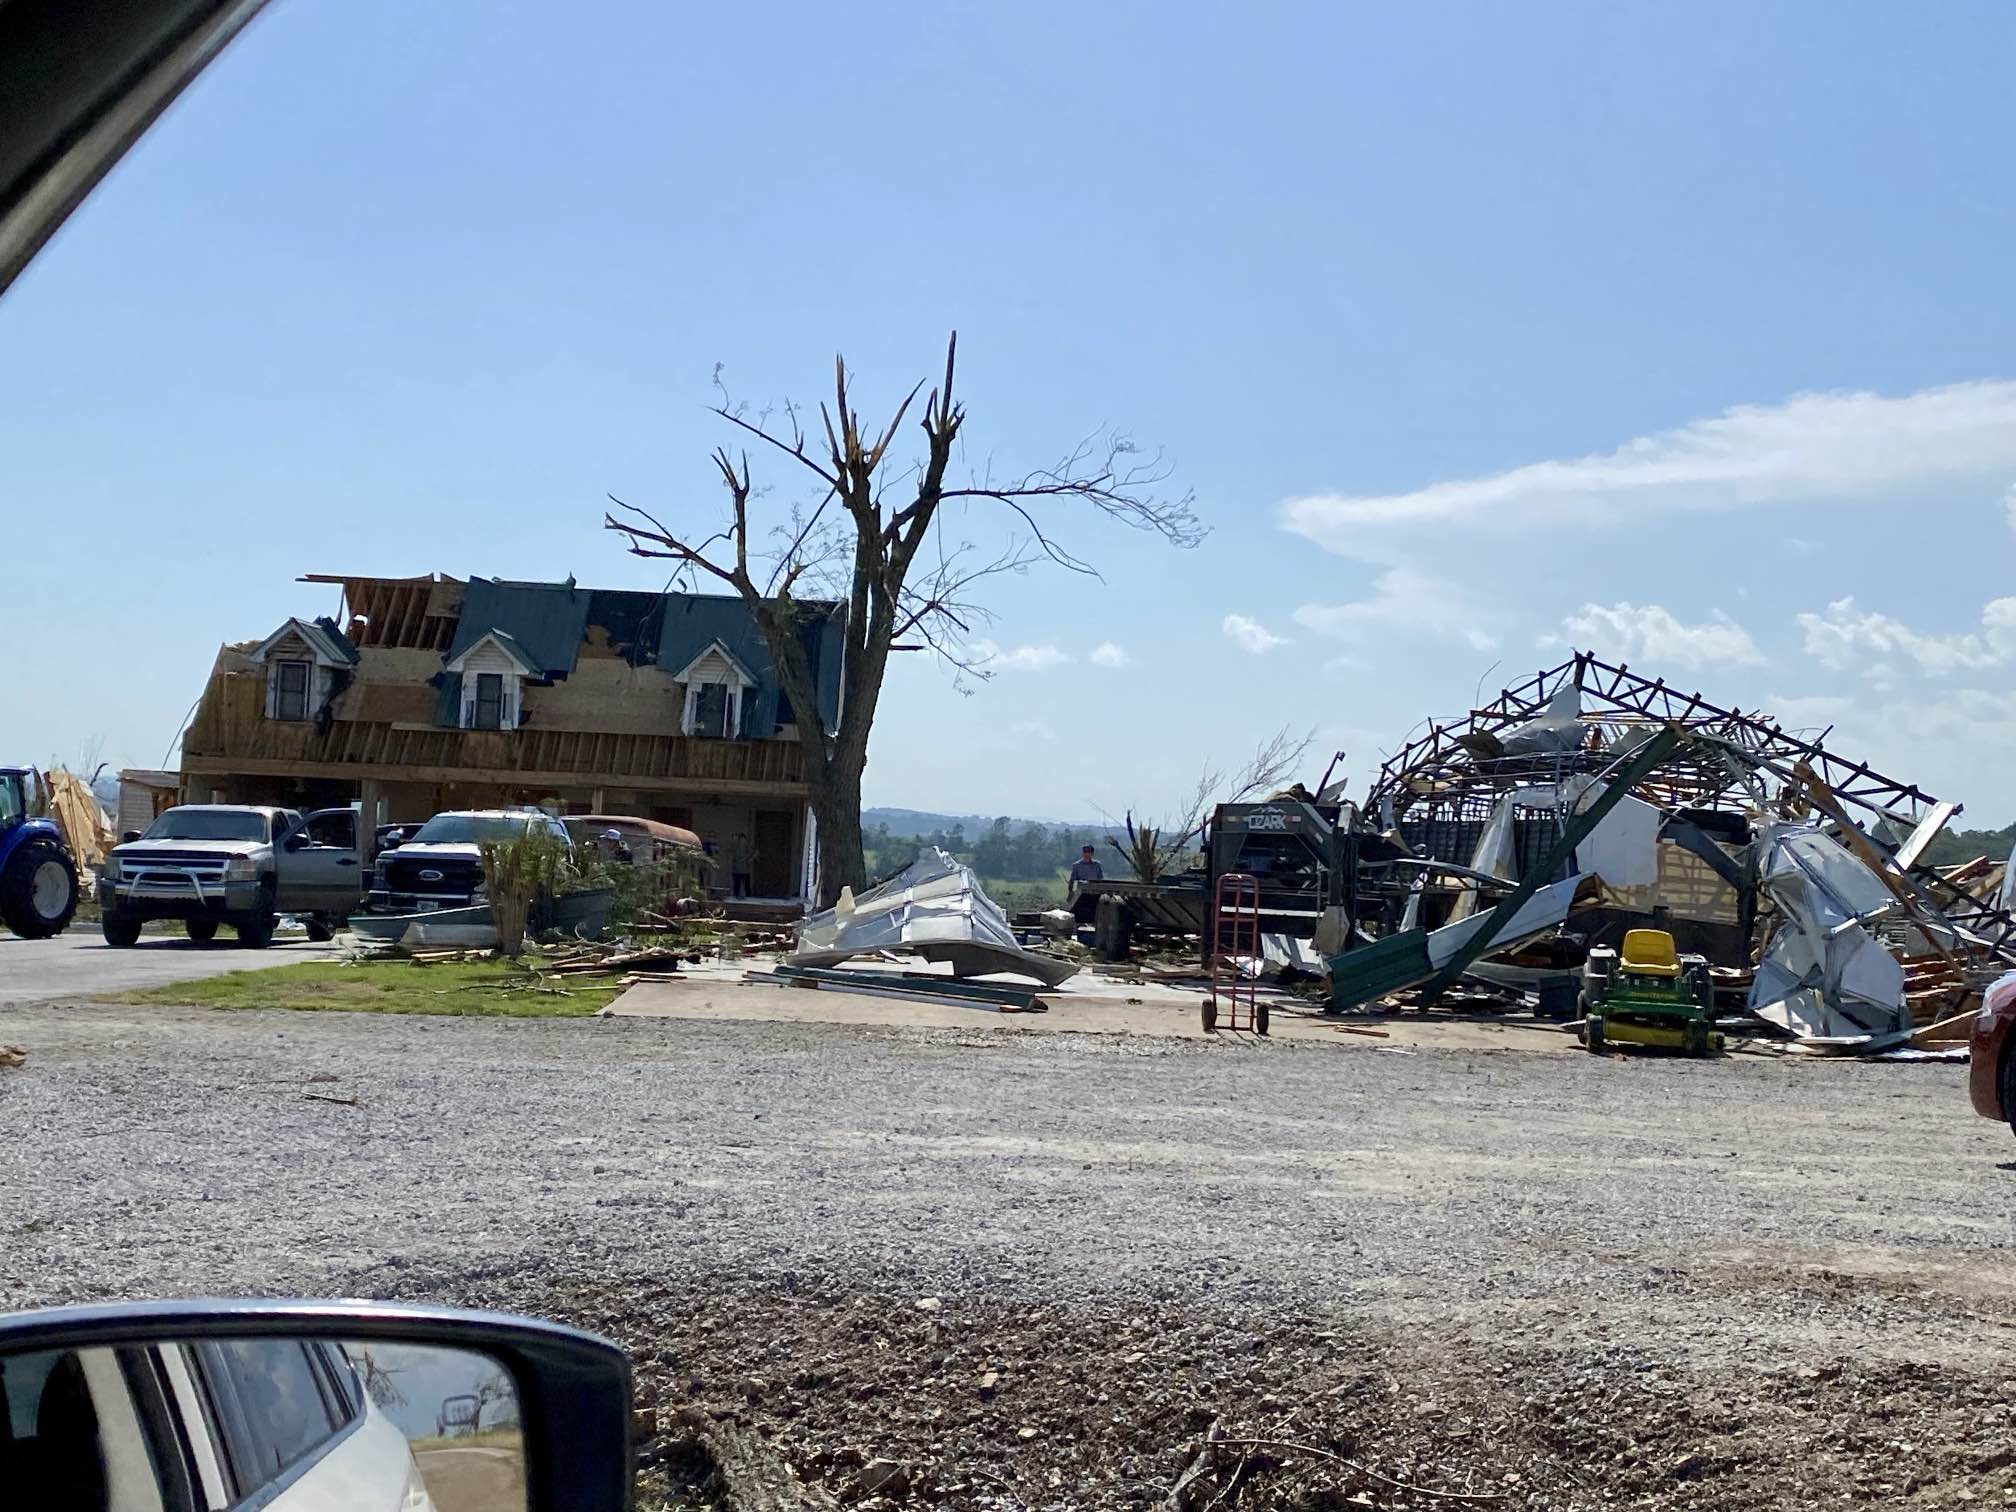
x,y
456,879
176,874
179,864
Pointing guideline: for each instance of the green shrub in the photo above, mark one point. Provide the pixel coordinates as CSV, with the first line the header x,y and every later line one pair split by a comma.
x,y
517,873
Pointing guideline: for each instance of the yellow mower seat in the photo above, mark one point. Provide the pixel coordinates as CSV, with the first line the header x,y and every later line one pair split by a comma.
x,y
1649,952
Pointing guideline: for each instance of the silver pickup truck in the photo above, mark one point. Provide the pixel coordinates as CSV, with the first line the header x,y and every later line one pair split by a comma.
x,y
241,865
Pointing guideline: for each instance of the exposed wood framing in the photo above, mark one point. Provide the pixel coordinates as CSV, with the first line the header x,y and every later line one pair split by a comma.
x,y
490,776
413,613
230,735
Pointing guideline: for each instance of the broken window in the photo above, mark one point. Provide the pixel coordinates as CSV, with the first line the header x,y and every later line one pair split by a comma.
x,y
290,689
710,711
488,712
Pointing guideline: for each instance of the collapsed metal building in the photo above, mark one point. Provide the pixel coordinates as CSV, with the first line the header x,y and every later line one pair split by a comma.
x,y
1798,873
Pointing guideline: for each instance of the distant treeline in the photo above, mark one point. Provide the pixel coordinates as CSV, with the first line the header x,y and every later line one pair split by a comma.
x,y
1015,850
1956,846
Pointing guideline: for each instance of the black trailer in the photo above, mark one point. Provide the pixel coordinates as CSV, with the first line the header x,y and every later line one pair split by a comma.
x,y
1303,854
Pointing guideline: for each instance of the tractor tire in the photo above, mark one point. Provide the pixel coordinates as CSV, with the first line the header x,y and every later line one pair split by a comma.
x,y
1211,1020
1592,1036
1695,1039
320,930
202,931
120,934
38,893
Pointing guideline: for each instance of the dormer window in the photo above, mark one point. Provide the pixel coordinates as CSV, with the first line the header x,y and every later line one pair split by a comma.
x,y
493,671
487,708
717,686
306,662
290,688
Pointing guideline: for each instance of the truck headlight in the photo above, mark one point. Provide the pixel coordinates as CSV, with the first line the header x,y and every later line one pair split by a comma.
x,y
241,869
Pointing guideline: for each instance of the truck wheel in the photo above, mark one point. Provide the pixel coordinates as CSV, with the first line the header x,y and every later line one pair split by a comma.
x,y
38,894
320,930
123,934
255,930
202,931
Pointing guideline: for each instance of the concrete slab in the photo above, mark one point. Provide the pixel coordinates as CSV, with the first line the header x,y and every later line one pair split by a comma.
x,y
1091,1006
78,964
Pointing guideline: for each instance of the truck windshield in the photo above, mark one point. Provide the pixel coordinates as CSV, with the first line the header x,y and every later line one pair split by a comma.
x,y
207,824
469,829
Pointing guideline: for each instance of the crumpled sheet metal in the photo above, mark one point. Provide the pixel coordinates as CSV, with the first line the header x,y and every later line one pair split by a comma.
x,y
933,908
1823,976
1538,914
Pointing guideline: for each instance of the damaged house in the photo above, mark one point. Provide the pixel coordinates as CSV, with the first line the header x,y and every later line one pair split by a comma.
x,y
433,693
1587,801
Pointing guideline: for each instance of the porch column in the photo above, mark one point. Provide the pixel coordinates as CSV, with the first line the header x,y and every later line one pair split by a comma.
x,y
370,803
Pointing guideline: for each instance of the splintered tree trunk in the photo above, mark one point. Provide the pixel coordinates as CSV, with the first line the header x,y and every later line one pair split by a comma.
x,y
836,804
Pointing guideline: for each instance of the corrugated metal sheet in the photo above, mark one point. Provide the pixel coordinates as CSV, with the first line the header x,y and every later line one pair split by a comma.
x,y
693,622
545,619
550,622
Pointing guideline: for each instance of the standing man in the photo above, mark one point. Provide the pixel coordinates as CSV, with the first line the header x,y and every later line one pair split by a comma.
x,y
741,858
1085,869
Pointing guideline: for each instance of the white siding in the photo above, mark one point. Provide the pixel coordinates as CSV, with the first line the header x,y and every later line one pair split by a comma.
x,y
714,668
487,657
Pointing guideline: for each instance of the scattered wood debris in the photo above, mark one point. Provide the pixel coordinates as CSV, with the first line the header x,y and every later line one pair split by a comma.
x,y
11,1056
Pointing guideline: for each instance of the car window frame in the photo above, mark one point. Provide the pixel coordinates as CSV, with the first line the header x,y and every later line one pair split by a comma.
x,y
177,1476
234,1438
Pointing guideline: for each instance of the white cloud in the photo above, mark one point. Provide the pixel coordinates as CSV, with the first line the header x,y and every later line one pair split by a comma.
x,y
1403,599
1845,637
1250,634
1810,446
1106,654
1952,744
1631,632
1018,658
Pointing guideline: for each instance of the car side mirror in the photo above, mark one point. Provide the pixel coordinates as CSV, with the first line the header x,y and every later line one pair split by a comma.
x,y
128,837
296,841
150,1404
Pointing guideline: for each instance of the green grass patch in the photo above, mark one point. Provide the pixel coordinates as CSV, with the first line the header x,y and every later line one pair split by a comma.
x,y
484,989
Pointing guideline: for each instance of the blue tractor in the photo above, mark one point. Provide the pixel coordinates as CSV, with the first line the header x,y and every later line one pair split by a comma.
x,y
38,880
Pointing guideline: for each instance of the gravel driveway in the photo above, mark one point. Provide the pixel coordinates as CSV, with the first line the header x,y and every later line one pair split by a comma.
x,y
1725,1218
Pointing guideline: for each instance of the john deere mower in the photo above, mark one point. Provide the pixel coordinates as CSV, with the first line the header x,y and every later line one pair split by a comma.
x,y
1648,994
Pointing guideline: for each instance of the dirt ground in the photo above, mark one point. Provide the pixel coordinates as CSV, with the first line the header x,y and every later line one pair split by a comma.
x,y
996,1268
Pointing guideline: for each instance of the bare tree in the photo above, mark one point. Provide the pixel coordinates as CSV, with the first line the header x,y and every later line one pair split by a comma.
x,y
1155,849
873,543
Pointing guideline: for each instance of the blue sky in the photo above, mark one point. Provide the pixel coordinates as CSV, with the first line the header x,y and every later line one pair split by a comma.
x,y
1684,333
